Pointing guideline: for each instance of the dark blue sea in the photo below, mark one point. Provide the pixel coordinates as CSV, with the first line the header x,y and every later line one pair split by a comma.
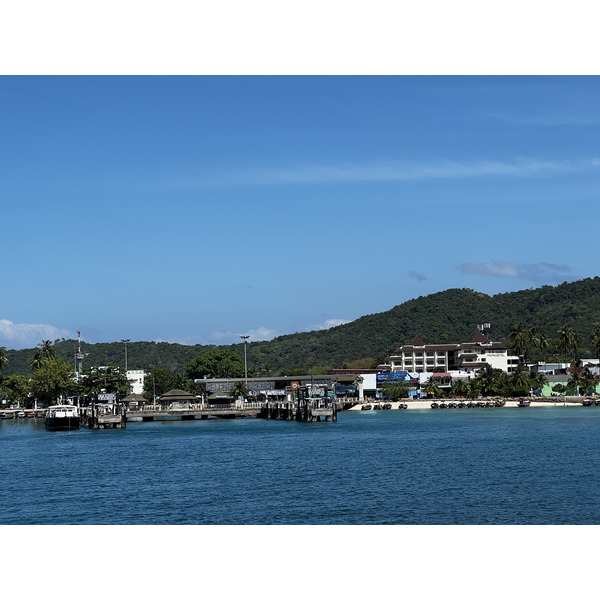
x,y
474,466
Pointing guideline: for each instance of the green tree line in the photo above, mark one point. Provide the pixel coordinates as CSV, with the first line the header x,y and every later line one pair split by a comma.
x,y
450,316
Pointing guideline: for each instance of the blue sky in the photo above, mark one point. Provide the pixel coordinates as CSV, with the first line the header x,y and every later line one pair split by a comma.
x,y
196,209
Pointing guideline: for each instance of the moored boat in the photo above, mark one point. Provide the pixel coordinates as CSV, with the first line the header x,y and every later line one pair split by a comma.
x,y
524,402
62,417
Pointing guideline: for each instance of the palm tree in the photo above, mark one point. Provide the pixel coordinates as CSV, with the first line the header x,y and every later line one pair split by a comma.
x,y
543,344
44,353
239,389
431,388
489,380
538,380
459,388
589,381
520,340
521,379
576,380
567,341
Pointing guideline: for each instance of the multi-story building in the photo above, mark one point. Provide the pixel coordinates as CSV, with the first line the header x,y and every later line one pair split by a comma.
x,y
418,357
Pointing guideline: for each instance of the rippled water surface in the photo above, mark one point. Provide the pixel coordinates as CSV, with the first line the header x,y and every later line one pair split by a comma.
x,y
496,466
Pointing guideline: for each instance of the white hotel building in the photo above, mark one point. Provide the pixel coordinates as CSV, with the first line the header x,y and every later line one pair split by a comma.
x,y
442,359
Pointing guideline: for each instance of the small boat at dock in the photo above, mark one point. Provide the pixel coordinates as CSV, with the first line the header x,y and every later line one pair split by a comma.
x,y
524,402
63,417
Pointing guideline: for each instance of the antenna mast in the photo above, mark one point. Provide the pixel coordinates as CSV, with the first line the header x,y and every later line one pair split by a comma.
x,y
78,357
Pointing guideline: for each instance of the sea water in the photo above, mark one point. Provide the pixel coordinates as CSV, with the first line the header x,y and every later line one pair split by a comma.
x,y
470,466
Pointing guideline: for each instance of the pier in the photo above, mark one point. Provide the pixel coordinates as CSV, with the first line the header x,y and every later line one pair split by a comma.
x,y
307,411
104,416
197,411
289,410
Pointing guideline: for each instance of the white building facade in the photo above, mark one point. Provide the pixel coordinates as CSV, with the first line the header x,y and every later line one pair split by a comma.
x,y
136,379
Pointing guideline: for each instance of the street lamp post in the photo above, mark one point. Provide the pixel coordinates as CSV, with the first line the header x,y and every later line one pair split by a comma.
x,y
245,338
125,342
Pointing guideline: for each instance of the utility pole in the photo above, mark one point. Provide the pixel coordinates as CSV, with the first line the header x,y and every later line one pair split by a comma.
x,y
245,338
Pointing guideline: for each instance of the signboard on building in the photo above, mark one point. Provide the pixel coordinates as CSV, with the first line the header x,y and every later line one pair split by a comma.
x,y
395,377
107,398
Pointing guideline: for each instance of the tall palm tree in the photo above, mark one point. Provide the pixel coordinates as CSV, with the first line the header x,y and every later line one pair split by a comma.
x,y
576,380
538,380
590,381
520,340
43,353
543,344
568,341
521,379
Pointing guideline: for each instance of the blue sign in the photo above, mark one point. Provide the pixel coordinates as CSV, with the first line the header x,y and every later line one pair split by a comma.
x,y
395,377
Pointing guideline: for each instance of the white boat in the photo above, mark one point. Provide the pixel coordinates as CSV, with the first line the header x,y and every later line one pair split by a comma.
x,y
62,417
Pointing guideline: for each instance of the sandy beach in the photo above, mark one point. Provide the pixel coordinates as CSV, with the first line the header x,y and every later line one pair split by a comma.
x,y
512,402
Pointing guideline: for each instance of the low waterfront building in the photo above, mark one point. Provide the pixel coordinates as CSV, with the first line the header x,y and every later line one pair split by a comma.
x,y
341,385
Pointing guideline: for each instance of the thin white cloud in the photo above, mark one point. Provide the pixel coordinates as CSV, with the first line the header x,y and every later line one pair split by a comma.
x,y
16,336
329,323
537,272
387,172
260,334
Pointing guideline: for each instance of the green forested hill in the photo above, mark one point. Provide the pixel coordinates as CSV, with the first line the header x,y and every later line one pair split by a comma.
x,y
451,316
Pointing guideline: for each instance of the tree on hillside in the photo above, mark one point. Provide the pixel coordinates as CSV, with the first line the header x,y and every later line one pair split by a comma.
x,y
215,364
3,358
596,339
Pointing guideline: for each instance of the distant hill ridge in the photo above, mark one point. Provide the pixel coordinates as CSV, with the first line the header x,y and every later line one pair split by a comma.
x,y
450,316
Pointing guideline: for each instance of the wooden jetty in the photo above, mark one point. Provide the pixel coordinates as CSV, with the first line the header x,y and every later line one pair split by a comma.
x,y
110,414
191,413
307,411
308,403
